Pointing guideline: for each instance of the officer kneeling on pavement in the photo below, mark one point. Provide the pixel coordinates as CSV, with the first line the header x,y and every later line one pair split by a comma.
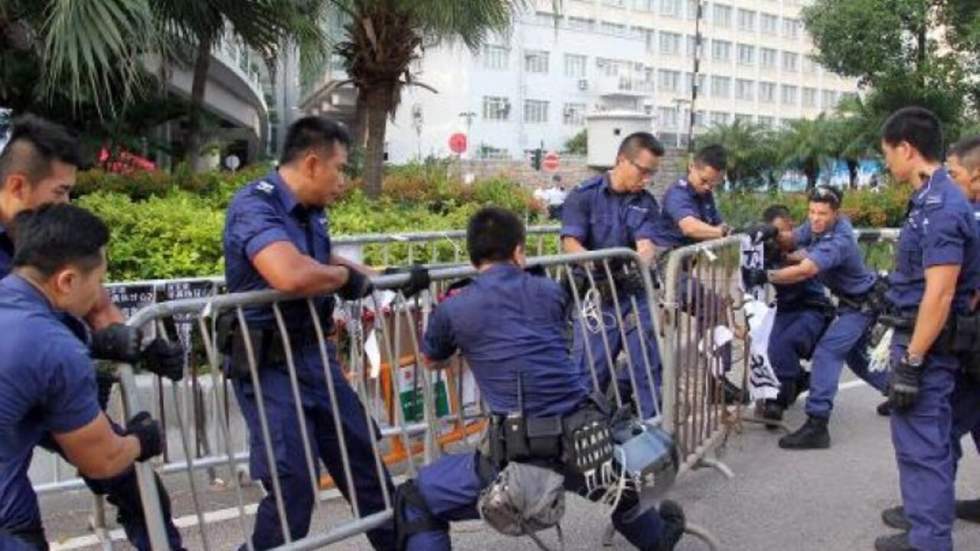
x,y
935,351
508,325
803,312
47,380
829,252
38,167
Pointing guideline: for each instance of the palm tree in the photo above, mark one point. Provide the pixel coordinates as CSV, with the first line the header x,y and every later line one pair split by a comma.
x,y
382,39
751,151
805,143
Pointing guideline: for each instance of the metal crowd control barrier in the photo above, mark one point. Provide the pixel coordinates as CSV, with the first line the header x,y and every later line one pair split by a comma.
x,y
380,361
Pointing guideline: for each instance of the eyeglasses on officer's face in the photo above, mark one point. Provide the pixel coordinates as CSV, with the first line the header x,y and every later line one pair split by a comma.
x,y
646,172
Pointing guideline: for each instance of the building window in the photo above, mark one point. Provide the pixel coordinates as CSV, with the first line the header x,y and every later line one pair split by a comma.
x,y
769,23
767,58
580,23
692,43
828,99
721,87
746,54
573,114
767,92
766,121
721,50
670,8
670,43
668,81
699,118
809,97
746,20
743,118
744,89
536,61
720,118
617,29
721,15
495,57
535,111
496,108
643,5
689,82
611,67
667,117
575,66
692,9
615,3
789,94
791,28
791,62
810,65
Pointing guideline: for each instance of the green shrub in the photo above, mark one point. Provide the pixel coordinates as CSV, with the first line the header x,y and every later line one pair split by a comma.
x,y
884,208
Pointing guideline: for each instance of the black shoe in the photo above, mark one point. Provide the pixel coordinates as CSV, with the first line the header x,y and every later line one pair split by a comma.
x,y
731,393
968,510
895,518
771,410
894,542
884,409
787,394
813,435
674,523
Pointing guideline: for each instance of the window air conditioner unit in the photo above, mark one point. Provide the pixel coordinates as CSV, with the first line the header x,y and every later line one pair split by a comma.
x,y
583,84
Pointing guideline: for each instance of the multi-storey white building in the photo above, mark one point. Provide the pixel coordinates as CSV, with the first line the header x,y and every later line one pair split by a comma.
x,y
536,85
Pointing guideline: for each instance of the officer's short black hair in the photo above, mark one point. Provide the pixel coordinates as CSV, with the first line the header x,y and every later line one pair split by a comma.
x,y
713,155
492,235
34,144
919,127
774,212
826,194
312,133
967,151
56,235
638,141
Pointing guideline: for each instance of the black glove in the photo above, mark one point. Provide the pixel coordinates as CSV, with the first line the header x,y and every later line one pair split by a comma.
x,y
579,280
903,389
762,232
164,358
536,270
147,431
753,277
418,281
118,342
357,287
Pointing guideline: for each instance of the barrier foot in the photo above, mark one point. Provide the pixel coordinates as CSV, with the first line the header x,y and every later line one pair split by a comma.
x,y
608,534
707,462
703,535
769,424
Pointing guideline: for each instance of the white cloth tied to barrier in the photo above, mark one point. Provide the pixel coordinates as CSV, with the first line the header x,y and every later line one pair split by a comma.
x,y
763,383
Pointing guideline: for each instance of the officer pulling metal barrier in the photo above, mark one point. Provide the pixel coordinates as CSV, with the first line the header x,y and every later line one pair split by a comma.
x,y
38,167
803,312
549,431
689,216
277,237
934,401
828,250
615,210
49,391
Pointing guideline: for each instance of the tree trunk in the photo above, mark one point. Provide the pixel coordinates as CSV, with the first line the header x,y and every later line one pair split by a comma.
x,y
360,121
193,143
378,100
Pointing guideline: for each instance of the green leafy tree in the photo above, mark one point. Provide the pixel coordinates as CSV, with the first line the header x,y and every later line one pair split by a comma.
x,y
578,144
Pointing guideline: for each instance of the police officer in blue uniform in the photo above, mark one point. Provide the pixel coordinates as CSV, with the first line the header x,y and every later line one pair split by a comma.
x,y
829,252
615,210
803,312
50,390
38,167
276,236
508,325
937,270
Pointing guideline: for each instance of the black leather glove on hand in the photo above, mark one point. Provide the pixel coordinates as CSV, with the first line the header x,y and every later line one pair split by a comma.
x,y
418,281
753,277
357,287
579,280
903,390
147,431
762,232
118,342
164,358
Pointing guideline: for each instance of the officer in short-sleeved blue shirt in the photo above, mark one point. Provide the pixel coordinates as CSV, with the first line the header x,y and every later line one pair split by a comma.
x,y
615,210
689,211
276,237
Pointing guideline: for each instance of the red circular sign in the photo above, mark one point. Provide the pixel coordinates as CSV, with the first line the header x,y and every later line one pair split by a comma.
x,y
550,161
457,143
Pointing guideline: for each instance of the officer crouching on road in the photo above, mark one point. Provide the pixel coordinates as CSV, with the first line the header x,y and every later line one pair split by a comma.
x,y
829,251
47,380
276,237
803,312
508,325
937,270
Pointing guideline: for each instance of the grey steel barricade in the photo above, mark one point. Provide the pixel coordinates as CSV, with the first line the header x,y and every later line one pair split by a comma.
x,y
445,409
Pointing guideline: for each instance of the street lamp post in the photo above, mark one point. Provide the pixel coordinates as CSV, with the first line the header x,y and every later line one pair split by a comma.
x,y
468,116
678,102
696,54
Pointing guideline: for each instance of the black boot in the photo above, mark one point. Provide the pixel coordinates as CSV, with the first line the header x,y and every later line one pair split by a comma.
x,y
968,510
674,524
884,409
894,542
729,392
813,435
787,393
895,518
770,410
